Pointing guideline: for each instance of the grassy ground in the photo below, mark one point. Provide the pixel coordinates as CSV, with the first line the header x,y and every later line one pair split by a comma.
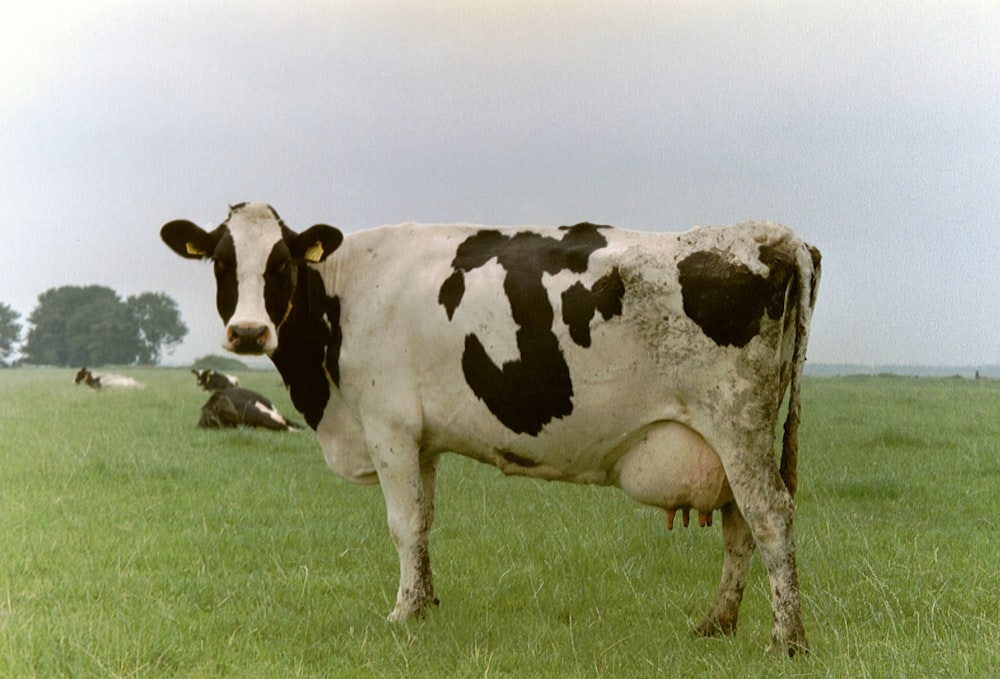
x,y
132,544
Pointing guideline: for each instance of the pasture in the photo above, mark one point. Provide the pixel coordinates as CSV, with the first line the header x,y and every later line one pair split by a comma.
x,y
134,545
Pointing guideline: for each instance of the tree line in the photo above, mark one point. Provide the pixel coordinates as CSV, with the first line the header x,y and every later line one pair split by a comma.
x,y
91,325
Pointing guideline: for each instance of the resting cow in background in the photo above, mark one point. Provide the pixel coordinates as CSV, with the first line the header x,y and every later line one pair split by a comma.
x,y
211,380
106,380
656,362
238,407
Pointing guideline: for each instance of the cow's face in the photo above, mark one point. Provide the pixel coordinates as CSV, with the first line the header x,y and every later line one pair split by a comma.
x,y
256,260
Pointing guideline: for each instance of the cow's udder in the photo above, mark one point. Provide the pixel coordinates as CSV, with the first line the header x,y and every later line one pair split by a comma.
x,y
673,467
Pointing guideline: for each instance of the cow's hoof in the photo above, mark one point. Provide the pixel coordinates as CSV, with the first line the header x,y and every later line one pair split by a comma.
x,y
714,627
789,647
402,612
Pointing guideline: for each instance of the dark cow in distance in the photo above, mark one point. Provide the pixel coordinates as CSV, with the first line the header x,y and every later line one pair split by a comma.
x,y
212,380
232,407
106,380
655,362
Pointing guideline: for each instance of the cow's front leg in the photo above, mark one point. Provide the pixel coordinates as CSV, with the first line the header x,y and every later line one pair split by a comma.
x,y
408,488
739,545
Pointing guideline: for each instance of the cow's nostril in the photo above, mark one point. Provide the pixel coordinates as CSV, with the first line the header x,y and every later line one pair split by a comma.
x,y
247,338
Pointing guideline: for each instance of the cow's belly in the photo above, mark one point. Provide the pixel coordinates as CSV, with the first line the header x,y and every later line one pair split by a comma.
x,y
664,463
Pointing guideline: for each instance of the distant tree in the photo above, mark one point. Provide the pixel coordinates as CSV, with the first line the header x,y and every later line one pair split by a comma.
x,y
216,362
158,323
71,326
10,332
75,326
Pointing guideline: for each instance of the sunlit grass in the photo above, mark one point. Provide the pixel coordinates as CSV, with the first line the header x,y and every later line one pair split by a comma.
x,y
133,544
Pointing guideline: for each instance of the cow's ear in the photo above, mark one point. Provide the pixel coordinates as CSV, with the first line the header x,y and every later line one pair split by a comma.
x,y
316,243
188,239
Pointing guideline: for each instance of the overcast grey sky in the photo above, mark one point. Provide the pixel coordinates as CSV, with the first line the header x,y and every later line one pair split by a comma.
x,y
871,128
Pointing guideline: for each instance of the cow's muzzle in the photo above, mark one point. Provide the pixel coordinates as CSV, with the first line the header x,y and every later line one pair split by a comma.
x,y
247,339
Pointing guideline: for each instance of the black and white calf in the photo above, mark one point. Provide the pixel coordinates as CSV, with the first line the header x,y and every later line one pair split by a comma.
x,y
237,407
106,380
655,362
211,380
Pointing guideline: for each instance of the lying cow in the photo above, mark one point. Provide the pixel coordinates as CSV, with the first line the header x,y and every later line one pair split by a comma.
x,y
211,380
655,362
238,407
106,380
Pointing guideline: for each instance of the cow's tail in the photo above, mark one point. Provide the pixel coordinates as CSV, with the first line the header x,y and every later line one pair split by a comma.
x,y
807,260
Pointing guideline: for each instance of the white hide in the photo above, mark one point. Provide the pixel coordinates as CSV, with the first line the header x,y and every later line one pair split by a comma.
x,y
251,226
271,413
109,381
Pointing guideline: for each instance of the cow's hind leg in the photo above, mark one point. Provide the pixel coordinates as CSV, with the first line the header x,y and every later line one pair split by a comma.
x,y
767,507
739,546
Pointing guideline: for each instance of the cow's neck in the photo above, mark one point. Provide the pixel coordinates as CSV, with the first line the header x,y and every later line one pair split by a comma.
x,y
308,350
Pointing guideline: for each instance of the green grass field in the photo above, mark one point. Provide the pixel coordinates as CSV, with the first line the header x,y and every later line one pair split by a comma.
x,y
133,544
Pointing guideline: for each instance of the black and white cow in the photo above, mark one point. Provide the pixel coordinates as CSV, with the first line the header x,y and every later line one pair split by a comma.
x,y
237,407
655,362
106,380
212,380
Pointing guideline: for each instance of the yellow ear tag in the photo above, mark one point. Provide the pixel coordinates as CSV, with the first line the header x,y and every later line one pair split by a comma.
x,y
192,250
315,253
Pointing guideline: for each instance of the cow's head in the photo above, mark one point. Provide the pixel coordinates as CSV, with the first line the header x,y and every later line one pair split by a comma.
x,y
256,258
